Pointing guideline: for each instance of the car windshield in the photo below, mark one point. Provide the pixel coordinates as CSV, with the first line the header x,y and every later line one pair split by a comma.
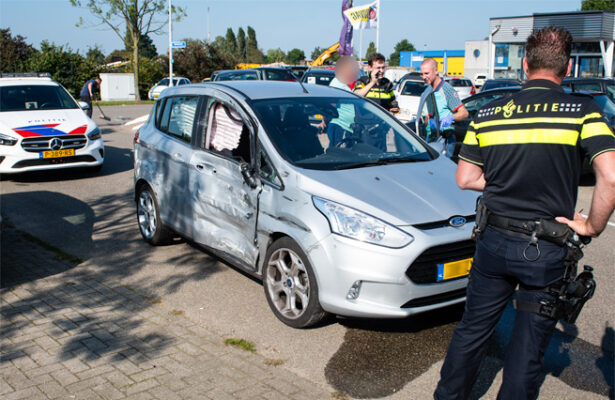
x,y
318,79
279,75
356,133
460,82
413,88
238,76
35,97
607,106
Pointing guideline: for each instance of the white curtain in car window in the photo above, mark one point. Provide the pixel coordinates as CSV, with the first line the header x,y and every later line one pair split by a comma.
x,y
226,127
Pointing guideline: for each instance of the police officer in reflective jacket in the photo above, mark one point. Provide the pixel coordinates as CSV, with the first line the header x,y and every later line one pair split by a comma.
x,y
375,86
525,153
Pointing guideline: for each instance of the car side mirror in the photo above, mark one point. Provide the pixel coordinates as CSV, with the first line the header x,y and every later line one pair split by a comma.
x,y
84,106
248,174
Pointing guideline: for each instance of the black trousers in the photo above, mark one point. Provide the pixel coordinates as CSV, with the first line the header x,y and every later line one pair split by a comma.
x,y
89,101
498,267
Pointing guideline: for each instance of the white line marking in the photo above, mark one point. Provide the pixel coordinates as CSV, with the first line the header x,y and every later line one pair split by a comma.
x,y
608,223
134,128
137,120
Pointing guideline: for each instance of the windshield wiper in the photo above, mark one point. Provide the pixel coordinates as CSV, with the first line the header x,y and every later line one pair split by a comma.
x,y
380,161
396,160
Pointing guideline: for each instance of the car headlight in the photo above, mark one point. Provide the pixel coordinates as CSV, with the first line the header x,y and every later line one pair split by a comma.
x,y
94,134
354,224
6,140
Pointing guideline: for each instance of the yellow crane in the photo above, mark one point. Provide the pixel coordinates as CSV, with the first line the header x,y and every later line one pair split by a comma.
x,y
325,55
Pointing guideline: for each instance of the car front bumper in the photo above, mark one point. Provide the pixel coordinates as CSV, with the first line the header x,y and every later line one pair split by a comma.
x,y
14,159
386,291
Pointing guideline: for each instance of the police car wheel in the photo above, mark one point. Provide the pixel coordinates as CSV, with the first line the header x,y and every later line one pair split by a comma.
x,y
290,285
148,217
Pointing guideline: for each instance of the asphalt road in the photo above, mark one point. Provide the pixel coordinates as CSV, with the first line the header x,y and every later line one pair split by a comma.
x,y
93,217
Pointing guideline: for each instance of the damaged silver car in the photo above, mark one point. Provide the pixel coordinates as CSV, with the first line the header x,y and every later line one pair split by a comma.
x,y
338,207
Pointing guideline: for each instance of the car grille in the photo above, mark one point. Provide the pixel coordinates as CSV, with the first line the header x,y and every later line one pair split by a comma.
x,y
425,268
42,143
53,161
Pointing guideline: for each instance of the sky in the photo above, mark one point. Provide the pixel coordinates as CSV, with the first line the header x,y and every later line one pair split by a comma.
x,y
305,24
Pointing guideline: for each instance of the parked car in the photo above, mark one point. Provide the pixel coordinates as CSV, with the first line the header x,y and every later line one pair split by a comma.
x,y
254,74
408,97
498,83
474,103
479,80
464,87
298,70
43,127
318,76
373,226
155,91
602,85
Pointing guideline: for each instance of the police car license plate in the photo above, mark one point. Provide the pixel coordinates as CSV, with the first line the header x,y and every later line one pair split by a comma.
x,y
454,269
57,153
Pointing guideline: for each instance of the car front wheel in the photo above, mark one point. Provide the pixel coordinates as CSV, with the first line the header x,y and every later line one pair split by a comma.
x,y
148,216
290,285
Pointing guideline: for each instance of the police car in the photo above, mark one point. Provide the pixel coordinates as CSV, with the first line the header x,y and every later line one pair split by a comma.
x,y
43,127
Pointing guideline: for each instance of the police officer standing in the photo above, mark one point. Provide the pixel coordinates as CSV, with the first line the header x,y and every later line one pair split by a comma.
x,y
524,153
375,86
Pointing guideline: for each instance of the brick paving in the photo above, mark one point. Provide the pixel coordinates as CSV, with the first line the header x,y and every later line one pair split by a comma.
x,y
67,334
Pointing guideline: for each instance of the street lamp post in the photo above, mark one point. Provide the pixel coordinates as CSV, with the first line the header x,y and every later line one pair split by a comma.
x,y
170,47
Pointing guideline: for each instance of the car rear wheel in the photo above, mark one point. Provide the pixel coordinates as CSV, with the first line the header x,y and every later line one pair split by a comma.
x,y
148,216
290,285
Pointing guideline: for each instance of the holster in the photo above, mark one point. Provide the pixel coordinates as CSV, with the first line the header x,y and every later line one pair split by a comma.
x,y
482,217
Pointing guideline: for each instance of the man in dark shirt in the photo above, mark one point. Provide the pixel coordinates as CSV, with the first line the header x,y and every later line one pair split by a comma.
x,y
88,93
524,153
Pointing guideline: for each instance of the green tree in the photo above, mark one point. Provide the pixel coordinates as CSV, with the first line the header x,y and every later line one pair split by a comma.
x,y
130,20
241,45
316,52
14,52
370,49
598,5
294,56
199,59
254,55
95,55
275,55
67,67
230,41
402,45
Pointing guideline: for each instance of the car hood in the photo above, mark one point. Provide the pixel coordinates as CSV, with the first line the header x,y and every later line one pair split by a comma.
x,y
401,194
45,123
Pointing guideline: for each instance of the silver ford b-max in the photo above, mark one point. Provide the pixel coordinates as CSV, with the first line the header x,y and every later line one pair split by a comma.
x,y
337,206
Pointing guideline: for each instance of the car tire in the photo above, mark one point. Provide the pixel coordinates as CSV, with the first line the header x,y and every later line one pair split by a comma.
x,y
289,282
151,227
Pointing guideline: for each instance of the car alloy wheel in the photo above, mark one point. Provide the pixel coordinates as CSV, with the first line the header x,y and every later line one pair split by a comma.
x,y
288,283
146,212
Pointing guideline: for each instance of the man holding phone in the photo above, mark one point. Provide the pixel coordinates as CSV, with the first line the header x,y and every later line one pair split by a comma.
x,y
375,86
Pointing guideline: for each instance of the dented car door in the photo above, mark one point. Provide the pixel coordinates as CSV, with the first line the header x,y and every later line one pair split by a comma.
x,y
224,206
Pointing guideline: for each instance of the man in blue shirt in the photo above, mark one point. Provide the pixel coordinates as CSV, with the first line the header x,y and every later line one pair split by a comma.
x,y
88,93
346,72
450,108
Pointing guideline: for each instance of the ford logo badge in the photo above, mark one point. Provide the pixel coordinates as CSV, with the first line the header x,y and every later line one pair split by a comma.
x,y
456,222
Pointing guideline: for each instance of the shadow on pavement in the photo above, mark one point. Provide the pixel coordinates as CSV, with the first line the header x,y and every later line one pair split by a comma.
x,y
378,358
86,307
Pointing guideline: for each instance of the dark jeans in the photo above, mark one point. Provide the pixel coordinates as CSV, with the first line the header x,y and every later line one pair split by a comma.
x,y
89,101
336,133
499,266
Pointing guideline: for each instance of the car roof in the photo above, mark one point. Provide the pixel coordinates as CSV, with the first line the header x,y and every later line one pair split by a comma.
x,y
589,79
321,71
27,81
257,90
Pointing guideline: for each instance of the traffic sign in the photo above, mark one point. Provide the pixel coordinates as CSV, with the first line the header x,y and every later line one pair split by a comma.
x,y
178,45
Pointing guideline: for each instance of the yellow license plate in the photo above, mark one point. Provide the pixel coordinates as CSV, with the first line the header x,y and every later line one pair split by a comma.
x,y
454,269
58,153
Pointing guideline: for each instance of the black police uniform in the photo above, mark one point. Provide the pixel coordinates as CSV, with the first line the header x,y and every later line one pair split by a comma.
x,y
531,147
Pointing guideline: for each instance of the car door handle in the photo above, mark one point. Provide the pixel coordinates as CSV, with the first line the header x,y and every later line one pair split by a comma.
x,y
178,156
